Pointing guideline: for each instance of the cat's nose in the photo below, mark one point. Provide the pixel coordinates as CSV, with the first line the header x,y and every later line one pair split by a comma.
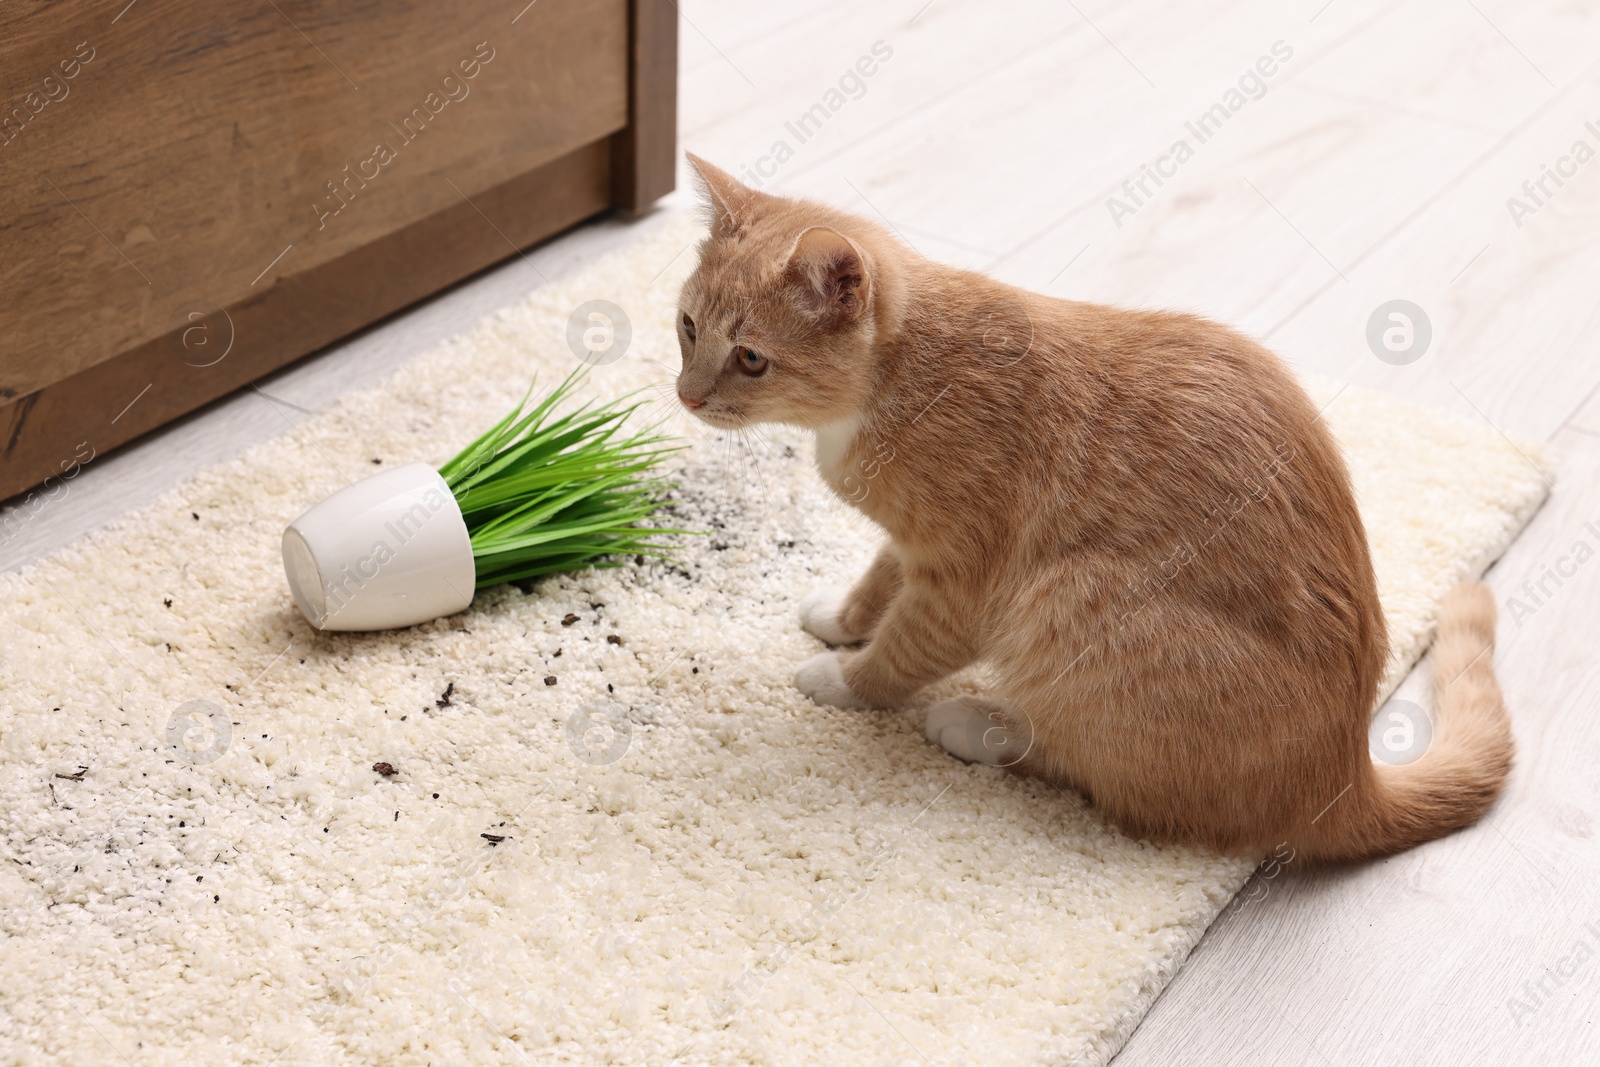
x,y
691,402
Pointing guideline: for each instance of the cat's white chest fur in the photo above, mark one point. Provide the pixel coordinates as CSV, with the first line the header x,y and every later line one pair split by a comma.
x,y
833,444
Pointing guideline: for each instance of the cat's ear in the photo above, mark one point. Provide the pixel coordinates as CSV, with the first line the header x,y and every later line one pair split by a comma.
x,y
832,271
728,198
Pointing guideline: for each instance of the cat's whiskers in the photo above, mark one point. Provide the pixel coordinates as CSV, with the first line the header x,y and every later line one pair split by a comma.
x,y
759,436
657,363
666,405
727,449
657,412
744,432
660,393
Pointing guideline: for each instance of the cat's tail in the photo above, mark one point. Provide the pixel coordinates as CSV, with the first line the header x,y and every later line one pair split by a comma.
x,y
1392,807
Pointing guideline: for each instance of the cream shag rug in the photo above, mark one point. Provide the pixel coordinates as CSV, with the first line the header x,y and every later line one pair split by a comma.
x,y
698,865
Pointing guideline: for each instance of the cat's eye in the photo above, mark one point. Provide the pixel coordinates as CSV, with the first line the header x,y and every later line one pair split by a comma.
x,y
748,361
688,328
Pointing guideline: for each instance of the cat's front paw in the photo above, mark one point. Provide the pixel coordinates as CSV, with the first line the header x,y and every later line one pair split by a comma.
x,y
820,612
822,679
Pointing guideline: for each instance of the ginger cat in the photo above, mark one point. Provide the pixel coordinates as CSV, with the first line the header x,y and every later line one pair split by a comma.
x,y
1137,518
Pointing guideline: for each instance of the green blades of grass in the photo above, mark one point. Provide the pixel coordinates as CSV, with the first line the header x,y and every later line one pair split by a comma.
x,y
543,492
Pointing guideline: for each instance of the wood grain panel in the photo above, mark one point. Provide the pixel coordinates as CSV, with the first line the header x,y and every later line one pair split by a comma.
x,y
204,139
116,400
647,151
289,171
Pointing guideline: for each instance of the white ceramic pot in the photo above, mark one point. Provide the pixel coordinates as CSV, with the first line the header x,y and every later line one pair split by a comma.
x,y
391,550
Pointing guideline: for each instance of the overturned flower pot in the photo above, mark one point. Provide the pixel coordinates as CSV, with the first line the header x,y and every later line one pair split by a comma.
x,y
391,550
538,493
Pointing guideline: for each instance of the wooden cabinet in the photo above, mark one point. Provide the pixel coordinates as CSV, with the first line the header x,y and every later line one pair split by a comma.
x,y
196,192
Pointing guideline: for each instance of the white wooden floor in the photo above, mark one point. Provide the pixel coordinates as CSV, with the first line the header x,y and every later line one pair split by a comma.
x,y
1376,165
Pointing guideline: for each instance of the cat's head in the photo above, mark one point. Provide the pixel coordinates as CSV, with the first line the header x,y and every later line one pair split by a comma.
x,y
778,321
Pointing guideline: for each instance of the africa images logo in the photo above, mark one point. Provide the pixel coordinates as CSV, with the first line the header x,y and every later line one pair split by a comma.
x,y
455,89
341,591
1252,85
851,85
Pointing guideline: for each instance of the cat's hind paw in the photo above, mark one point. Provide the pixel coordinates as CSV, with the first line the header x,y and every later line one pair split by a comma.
x,y
820,612
977,731
822,679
